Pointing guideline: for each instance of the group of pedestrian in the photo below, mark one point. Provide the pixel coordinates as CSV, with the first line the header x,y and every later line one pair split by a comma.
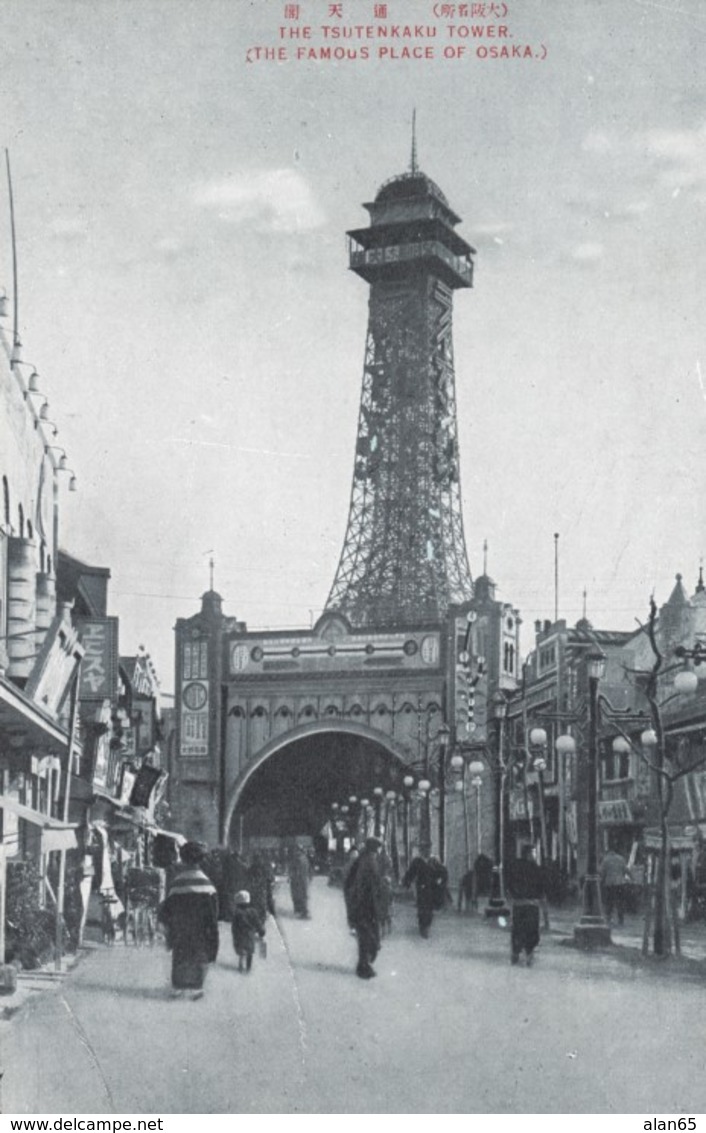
x,y
190,912
190,919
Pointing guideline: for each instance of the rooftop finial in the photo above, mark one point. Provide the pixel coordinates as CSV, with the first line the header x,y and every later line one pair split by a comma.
x,y
413,167
700,584
485,556
585,596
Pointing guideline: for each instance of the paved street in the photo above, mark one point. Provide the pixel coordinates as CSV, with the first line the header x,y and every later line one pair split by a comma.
x,y
448,1026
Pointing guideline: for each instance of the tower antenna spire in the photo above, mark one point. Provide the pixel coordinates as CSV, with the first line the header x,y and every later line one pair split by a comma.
x,y
413,167
211,567
556,576
15,313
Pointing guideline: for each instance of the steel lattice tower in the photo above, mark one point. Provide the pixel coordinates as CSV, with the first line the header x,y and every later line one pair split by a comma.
x,y
404,558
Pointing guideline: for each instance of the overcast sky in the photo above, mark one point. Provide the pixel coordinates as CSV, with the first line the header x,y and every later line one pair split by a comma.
x,y
185,298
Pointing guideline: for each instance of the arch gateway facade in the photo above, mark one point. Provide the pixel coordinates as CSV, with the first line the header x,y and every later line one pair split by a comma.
x,y
273,727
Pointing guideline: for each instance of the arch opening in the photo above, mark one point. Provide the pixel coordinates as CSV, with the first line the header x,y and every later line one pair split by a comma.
x,y
291,792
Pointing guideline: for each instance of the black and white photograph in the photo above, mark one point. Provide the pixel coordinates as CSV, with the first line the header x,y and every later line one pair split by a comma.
x,y
352,537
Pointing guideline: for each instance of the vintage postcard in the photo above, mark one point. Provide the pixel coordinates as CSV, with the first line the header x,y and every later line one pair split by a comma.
x,y
352,738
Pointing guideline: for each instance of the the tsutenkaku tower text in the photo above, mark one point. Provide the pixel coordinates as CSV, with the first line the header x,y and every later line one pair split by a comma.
x,y
404,557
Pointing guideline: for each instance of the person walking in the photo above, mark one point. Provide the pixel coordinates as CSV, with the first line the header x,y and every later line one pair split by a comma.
x,y
430,879
614,878
525,885
190,917
245,926
299,883
261,889
363,895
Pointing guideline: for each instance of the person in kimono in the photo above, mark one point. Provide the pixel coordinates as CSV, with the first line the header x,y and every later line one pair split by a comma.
x,y
190,917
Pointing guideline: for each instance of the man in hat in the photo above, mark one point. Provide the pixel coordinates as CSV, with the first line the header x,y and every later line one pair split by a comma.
x,y
430,879
365,905
190,917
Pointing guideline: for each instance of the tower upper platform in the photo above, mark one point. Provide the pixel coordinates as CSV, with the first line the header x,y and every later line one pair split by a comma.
x,y
412,231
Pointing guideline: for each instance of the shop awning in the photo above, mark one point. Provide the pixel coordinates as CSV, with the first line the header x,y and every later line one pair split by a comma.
x,y
56,835
25,726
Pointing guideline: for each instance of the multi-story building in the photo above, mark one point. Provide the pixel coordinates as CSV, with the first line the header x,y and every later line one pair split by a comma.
x,y
39,646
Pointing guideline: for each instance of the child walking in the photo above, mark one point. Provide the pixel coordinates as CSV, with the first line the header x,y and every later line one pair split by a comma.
x,y
245,926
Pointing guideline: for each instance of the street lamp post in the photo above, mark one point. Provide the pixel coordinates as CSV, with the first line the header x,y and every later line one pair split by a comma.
x,y
408,783
538,750
497,905
378,793
593,931
565,746
443,738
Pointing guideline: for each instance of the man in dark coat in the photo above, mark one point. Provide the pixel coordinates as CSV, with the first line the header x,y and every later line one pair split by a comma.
x,y
430,878
299,882
364,899
525,884
262,880
190,917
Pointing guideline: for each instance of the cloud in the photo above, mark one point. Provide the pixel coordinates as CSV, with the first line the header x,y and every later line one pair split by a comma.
x,y
275,200
69,228
678,157
682,154
588,252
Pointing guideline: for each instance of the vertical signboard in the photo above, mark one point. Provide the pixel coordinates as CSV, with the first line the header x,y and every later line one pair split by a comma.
x,y
194,701
99,670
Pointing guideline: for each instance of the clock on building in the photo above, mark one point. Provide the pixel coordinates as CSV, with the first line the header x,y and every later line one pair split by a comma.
x,y
195,696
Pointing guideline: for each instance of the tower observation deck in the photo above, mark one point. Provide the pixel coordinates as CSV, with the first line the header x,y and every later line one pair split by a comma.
x,y
404,557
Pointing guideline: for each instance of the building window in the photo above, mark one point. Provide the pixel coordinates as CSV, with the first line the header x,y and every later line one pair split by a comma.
x,y
615,766
195,660
547,658
509,658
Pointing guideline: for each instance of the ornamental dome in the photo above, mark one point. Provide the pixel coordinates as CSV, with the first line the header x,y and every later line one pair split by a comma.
x,y
409,186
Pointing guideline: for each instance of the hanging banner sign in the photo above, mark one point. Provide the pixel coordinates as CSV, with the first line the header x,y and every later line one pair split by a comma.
x,y
99,671
146,787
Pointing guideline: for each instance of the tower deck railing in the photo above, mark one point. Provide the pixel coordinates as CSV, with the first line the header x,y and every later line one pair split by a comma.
x,y
424,249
